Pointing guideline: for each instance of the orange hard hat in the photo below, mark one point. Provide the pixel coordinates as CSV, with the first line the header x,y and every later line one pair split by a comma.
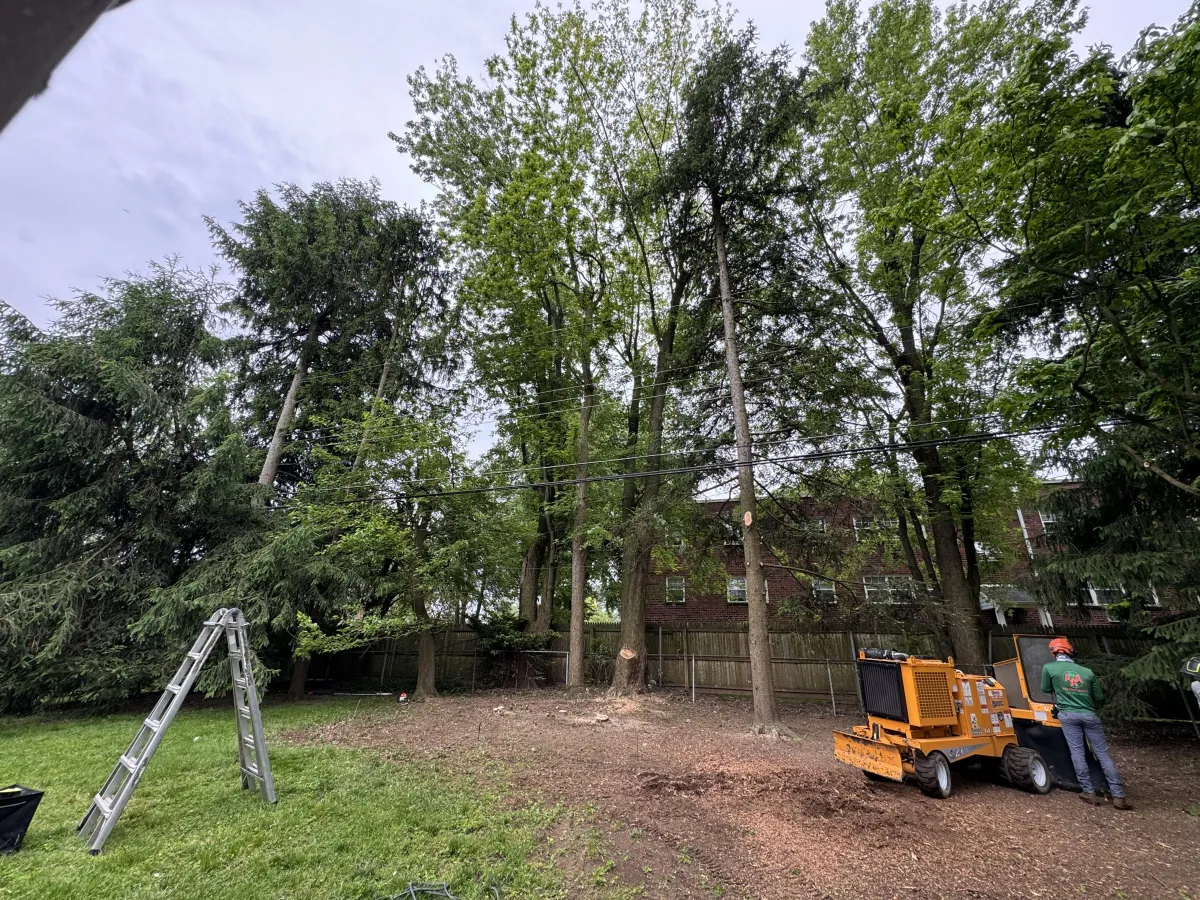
x,y
1061,645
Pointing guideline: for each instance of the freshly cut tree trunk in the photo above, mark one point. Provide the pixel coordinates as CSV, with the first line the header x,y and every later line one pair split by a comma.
x,y
762,680
579,538
270,466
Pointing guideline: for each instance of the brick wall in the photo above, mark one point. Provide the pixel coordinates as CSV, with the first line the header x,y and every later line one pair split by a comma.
x,y
706,600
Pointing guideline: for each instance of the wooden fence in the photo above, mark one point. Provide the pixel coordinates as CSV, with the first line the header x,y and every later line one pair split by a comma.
x,y
812,664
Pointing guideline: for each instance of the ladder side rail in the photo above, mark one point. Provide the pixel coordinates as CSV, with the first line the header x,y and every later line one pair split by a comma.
x,y
240,708
266,779
125,791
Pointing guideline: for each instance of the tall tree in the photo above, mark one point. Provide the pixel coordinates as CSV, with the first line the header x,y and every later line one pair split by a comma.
x,y
736,150
119,468
319,272
1095,255
904,90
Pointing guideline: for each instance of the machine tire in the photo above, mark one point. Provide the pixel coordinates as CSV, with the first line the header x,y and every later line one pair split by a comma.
x,y
933,774
1026,769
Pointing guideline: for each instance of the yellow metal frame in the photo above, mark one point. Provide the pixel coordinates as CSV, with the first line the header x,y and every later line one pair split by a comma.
x,y
960,715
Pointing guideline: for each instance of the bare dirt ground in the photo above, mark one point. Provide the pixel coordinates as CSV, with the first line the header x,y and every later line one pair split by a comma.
x,y
682,801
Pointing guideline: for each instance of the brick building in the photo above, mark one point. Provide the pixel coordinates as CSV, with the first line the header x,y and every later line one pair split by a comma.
x,y
882,591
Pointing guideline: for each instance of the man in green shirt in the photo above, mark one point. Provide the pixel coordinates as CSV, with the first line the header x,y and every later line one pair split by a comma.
x,y
1077,693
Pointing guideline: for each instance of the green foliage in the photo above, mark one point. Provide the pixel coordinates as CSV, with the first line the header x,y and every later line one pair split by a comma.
x,y
503,634
1097,240
119,467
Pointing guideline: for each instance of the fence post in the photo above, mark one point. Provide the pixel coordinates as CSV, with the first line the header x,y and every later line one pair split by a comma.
x,y
567,679
857,686
693,679
660,666
829,672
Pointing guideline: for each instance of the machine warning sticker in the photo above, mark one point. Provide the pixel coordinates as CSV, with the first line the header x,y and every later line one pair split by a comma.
x,y
996,696
976,731
995,719
1040,715
968,698
1007,721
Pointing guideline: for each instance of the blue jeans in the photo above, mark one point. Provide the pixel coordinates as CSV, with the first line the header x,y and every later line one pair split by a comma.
x,y
1081,727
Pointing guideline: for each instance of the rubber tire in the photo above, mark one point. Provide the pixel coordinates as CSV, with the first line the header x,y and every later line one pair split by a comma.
x,y
1022,766
928,769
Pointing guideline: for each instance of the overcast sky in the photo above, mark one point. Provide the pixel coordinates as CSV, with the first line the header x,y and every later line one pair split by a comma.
x,y
168,110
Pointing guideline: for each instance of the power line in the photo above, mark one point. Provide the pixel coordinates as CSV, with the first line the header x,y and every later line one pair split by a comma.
x,y
891,447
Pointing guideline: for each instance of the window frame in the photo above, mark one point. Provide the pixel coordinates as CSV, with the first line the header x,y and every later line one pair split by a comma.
x,y
822,586
729,580
668,589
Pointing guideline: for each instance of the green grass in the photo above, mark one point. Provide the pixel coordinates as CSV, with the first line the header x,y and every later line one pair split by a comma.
x,y
349,824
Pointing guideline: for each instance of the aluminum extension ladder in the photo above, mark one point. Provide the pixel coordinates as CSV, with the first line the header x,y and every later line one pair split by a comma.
x,y
107,806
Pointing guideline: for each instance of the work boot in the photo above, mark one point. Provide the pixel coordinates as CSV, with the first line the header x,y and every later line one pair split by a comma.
x,y
1121,803
1091,799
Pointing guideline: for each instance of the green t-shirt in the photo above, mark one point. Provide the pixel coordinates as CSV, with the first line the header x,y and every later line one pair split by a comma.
x,y
1074,686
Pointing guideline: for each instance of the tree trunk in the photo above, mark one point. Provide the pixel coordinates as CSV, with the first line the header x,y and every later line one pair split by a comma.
x,y
530,567
579,538
383,380
962,610
426,648
270,466
629,669
299,677
426,654
762,680
545,610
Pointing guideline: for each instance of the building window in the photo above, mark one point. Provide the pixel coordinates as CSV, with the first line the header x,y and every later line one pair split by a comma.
x,y
676,590
824,591
888,588
1102,596
735,589
1049,521
875,526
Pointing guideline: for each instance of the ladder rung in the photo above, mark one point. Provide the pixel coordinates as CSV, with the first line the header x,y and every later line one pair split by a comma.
x,y
153,724
240,682
251,771
127,762
174,688
244,711
194,654
101,804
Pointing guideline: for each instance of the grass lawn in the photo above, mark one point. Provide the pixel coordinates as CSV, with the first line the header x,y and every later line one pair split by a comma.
x,y
350,824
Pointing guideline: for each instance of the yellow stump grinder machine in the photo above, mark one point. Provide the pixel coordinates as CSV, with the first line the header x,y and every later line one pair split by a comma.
x,y
923,716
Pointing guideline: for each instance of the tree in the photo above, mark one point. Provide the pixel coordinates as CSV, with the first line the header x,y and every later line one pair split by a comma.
x,y
904,92
739,130
1095,256
120,467
319,273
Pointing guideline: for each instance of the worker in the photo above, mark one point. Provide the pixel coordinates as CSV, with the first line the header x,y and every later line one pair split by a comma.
x,y
1077,693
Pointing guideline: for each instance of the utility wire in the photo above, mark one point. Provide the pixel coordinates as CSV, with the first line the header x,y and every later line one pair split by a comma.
x,y
683,470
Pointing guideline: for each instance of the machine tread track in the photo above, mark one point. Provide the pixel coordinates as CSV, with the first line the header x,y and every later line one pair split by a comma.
x,y
1021,766
927,773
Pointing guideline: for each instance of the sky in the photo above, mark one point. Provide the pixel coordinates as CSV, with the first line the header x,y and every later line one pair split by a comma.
x,y
170,110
